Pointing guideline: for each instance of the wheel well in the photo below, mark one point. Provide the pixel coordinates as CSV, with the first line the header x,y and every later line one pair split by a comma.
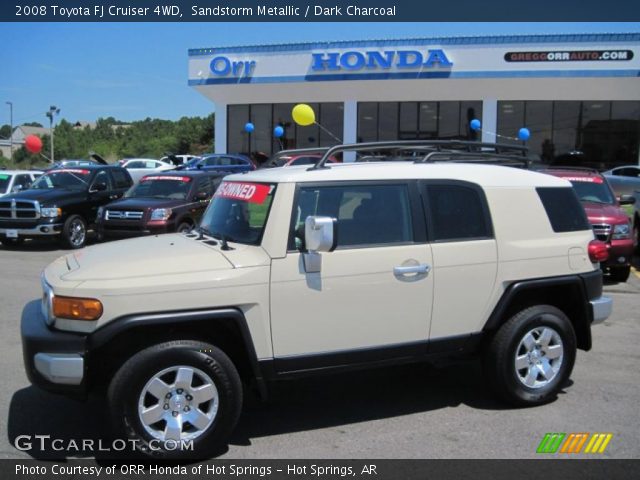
x,y
567,297
108,358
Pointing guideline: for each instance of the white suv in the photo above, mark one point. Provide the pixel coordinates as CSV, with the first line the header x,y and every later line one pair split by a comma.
x,y
303,270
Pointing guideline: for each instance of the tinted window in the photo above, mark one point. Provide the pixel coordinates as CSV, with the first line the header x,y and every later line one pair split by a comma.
x,y
204,186
563,209
136,164
120,178
101,177
367,214
457,213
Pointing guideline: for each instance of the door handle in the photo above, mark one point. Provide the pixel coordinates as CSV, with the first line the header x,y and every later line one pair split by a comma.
x,y
423,268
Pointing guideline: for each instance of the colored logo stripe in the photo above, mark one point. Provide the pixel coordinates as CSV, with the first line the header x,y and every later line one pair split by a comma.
x,y
598,443
550,443
574,442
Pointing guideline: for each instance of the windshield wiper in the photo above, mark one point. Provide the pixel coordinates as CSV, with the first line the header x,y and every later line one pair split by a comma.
x,y
224,240
202,232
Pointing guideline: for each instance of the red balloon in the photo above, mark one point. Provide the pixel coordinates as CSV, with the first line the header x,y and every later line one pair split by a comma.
x,y
33,144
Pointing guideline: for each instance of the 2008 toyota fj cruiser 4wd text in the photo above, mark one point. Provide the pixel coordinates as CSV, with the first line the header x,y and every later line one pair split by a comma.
x,y
300,270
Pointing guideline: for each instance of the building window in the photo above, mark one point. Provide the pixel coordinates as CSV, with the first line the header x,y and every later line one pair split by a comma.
x,y
261,143
379,121
598,134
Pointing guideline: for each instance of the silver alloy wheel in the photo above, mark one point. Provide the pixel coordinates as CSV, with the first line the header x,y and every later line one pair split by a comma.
x,y
539,357
178,403
77,232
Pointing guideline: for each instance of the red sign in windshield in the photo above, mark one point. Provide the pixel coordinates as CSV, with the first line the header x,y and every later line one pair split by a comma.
x,y
166,177
248,192
584,179
70,170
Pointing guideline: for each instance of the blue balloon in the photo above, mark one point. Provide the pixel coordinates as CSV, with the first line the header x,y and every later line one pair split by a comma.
x,y
249,127
524,134
475,124
278,131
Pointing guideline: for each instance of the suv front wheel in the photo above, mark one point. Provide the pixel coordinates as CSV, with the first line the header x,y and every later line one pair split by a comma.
x,y
531,356
179,399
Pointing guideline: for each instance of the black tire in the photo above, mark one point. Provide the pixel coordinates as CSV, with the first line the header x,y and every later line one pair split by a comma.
x,y
620,274
184,227
74,232
126,388
500,356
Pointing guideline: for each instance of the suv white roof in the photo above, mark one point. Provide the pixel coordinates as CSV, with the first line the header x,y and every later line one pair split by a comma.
x,y
483,175
18,172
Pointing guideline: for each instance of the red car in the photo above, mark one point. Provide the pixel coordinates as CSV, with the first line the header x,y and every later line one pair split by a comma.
x,y
610,223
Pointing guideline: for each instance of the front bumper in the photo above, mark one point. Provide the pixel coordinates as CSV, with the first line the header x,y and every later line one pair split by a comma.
x,y
44,229
601,308
53,360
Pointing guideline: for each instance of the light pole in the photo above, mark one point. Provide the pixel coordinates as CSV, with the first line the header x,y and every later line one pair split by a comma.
x,y
11,134
53,110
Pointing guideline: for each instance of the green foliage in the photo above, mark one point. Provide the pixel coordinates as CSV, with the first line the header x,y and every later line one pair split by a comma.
x,y
33,124
153,138
5,131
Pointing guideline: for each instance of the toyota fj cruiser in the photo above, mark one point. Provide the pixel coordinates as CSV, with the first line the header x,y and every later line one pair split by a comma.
x,y
301,270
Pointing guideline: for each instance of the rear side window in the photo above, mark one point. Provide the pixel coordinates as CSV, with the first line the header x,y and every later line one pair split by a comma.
x,y
458,213
120,178
563,209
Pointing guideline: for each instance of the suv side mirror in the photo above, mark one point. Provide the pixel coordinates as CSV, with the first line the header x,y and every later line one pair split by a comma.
x,y
16,189
99,187
201,196
320,235
627,200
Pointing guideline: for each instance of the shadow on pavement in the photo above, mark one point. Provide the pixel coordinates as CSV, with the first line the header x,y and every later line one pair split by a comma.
x,y
296,405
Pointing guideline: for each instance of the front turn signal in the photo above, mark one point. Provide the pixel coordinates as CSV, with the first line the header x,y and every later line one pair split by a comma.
x,y
77,308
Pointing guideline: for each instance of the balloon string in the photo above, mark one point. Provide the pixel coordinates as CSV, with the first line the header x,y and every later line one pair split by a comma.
x,y
329,133
500,136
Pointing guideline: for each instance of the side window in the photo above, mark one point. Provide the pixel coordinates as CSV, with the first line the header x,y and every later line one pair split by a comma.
x,y
23,180
204,186
457,212
563,208
368,215
120,179
101,176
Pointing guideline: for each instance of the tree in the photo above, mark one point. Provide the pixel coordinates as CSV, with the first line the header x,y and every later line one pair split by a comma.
x,y
5,131
32,124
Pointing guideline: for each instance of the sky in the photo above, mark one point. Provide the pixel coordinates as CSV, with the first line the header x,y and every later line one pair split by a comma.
x,y
132,71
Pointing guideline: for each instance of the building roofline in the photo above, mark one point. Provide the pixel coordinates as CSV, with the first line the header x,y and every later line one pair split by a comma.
x,y
459,40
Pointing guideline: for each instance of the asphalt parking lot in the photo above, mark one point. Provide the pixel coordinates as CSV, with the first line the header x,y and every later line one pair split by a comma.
x,y
403,412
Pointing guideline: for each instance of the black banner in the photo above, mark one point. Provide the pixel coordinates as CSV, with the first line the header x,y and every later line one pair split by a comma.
x,y
325,470
316,11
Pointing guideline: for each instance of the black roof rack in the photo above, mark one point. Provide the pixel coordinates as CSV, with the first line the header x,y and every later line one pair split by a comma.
x,y
429,151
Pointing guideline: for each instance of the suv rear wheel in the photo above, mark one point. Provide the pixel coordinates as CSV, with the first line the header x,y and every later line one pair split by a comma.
x,y
177,399
531,356
620,274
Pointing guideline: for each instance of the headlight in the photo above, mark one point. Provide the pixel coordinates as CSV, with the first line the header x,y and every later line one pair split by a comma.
x,y
77,308
50,212
621,232
100,213
160,214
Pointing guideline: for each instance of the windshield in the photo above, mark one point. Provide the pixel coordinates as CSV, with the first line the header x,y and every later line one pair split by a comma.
x,y
193,162
161,186
239,212
4,182
75,179
593,189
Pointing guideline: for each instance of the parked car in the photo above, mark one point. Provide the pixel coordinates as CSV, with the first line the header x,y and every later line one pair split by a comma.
x,y
635,222
139,167
13,181
610,223
294,157
72,164
220,162
159,203
62,203
300,271
624,180
177,159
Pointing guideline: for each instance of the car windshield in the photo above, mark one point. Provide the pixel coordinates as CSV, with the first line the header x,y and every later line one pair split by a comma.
x,y
193,162
594,190
239,212
75,179
4,182
161,186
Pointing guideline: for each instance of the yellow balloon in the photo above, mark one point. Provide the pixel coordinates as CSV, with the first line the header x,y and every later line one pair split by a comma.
x,y
303,114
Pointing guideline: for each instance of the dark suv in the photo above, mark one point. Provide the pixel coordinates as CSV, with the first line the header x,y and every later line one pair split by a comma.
x,y
159,203
62,203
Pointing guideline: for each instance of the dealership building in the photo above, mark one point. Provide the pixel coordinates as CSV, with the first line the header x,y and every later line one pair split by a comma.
x,y
574,93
